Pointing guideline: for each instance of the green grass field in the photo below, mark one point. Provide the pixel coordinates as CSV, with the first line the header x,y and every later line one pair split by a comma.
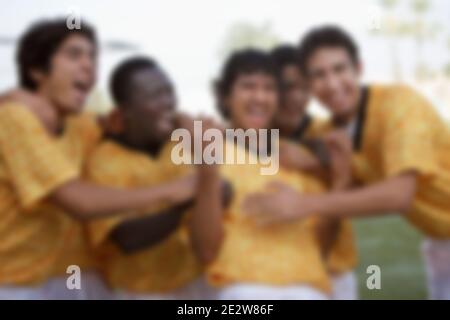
x,y
394,245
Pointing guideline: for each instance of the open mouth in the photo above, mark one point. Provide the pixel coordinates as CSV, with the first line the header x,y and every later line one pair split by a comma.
x,y
257,115
82,89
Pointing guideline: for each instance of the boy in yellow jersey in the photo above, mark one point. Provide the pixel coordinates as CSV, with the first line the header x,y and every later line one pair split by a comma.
x,y
297,125
242,259
401,152
44,141
146,256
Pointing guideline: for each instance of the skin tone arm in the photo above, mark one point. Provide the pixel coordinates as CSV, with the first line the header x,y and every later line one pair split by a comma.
x,y
85,201
142,233
206,226
402,188
340,177
394,194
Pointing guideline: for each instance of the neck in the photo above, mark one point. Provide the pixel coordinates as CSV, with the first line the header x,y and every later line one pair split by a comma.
x,y
345,118
134,142
48,113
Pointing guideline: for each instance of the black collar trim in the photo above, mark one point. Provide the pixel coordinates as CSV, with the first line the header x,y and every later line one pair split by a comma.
x,y
302,127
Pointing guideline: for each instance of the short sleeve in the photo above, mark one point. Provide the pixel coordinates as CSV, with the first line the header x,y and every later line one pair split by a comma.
x,y
408,143
35,164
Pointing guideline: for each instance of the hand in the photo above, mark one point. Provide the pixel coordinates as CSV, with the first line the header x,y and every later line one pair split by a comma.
x,y
340,149
280,204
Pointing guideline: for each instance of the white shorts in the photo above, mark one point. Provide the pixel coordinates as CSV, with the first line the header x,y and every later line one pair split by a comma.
x,y
92,288
196,290
246,291
344,286
436,254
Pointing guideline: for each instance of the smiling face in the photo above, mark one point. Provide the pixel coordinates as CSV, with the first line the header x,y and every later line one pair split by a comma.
x,y
148,116
294,99
252,101
71,75
334,78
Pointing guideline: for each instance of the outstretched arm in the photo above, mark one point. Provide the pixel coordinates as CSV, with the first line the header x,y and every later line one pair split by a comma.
x,y
394,194
85,201
145,232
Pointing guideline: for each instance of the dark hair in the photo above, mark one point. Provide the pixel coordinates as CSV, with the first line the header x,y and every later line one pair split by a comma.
x,y
245,61
325,36
284,55
39,43
121,84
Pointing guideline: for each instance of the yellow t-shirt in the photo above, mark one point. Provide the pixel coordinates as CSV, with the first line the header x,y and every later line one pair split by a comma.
x,y
81,136
166,266
343,254
33,232
276,255
402,132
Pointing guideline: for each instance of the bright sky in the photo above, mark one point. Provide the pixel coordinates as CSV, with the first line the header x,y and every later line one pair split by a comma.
x,y
185,36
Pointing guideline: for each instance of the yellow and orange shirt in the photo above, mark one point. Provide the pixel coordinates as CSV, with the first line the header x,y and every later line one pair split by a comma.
x,y
166,266
402,132
275,255
81,136
33,232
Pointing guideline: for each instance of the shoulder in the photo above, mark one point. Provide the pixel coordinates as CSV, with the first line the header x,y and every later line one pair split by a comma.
x,y
17,113
85,124
400,102
109,151
399,96
19,123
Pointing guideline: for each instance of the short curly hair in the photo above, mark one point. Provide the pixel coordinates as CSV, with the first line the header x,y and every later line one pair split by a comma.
x,y
325,36
244,61
121,85
283,56
40,42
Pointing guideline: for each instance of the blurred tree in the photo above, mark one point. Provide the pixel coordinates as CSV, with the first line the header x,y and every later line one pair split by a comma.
x,y
422,30
447,66
243,35
98,101
393,29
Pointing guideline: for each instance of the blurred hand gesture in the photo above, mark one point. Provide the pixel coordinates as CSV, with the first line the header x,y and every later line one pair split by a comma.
x,y
280,203
182,190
